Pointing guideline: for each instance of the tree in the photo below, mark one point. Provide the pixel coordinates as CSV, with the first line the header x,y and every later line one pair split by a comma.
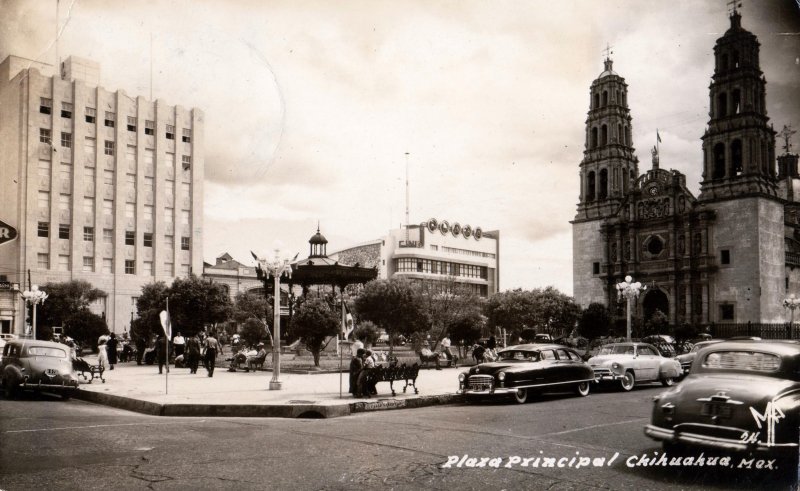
x,y
555,312
314,321
148,307
684,333
595,321
656,324
394,305
195,303
248,305
445,303
367,332
253,331
512,310
466,329
546,310
64,300
85,327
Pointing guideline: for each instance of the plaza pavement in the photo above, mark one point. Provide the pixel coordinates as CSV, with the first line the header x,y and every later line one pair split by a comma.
x,y
142,389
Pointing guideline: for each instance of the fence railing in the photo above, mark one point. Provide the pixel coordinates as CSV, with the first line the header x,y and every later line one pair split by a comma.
x,y
779,330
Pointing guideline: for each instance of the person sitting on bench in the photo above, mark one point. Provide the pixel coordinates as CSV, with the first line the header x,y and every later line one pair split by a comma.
x,y
258,359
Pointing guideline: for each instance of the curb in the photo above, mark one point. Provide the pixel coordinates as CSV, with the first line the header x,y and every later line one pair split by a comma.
x,y
289,410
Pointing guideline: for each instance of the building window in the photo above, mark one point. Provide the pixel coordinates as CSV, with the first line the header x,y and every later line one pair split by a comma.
x,y
147,268
63,231
725,256
88,234
108,147
186,160
43,261
130,266
45,105
187,135
108,265
43,230
131,123
185,241
44,135
595,268
149,127
110,117
726,312
63,263
66,140
108,207
66,110
148,239
91,115
88,264
130,238
108,235
170,132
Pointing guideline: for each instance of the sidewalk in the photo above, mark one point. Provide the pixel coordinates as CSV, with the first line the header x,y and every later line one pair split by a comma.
x,y
142,389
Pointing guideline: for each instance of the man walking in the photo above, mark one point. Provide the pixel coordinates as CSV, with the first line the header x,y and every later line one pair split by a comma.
x,y
193,353
212,348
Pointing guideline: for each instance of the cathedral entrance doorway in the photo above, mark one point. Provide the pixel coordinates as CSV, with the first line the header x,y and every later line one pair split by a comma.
x,y
655,300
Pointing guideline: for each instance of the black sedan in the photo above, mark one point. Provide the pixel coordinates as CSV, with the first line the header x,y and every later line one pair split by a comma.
x,y
526,368
740,396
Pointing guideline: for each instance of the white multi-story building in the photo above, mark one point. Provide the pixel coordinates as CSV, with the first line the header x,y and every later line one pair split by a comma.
x,y
100,186
435,252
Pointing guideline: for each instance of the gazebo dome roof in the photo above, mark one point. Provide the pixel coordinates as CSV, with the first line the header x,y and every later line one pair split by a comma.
x,y
317,238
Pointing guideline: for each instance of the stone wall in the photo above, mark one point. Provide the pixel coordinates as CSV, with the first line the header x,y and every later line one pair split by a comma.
x,y
588,247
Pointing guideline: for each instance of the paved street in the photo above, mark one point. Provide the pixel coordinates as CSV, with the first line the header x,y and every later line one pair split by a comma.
x,y
47,443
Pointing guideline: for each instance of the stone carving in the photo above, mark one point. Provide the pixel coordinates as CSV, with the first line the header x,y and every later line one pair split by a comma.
x,y
653,208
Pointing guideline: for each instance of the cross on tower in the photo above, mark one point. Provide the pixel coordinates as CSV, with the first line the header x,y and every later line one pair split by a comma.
x,y
786,134
734,6
607,52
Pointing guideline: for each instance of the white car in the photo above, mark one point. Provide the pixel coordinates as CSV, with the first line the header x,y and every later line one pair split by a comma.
x,y
631,363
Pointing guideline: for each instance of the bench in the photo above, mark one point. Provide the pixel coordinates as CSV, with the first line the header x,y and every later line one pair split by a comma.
x,y
82,366
392,373
427,356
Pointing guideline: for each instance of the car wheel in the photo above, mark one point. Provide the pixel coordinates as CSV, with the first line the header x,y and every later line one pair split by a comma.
x,y
582,389
628,381
667,381
521,395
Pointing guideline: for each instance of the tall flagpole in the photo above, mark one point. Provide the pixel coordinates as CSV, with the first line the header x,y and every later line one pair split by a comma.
x,y
166,348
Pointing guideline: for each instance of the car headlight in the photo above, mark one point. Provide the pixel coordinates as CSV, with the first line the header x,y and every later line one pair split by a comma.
x,y
501,376
462,376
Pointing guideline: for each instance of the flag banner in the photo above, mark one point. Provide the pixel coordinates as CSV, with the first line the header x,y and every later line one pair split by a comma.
x,y
166,324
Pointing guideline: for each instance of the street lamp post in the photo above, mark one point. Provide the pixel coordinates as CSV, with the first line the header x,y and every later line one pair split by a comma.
x,y
630,291
34,296
791,303
276,268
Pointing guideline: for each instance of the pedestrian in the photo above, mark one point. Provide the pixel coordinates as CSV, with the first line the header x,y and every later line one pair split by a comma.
x,y
111,349
357,345
102,352
478,352
356,365
141,344
161,353
491,343
179,343
193,353
212,348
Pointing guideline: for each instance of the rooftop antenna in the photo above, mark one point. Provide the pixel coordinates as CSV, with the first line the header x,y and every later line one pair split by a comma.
x,y
407,200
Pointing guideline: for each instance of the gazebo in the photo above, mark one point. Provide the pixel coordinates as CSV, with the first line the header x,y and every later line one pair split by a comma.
x,y
319,269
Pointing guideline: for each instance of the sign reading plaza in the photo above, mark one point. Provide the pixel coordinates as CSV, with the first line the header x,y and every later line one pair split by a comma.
x,y
7,232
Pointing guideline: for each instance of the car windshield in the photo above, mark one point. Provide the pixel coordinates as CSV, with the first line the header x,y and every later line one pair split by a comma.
x,y
519,355
47,351
616,349
742,360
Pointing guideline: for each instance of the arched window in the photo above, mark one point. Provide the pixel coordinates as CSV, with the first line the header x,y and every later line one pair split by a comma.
x,y
722,105
719,161
594,137
633,177
604,135
736,157
616,96
590,185
723,62
736,102
596,101
605,97
603,192
628,140
620,136
735,61
764,156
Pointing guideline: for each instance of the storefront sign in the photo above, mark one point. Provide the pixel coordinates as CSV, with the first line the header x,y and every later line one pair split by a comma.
x,y
7,232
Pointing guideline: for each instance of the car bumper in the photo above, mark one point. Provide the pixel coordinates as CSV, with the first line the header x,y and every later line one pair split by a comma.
x,y
498,391
606,376
63,387
695,439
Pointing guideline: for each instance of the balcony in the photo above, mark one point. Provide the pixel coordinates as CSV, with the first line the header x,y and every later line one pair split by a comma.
x,y
409,243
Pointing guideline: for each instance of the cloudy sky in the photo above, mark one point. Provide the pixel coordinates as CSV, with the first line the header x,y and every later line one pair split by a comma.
x,y
311,106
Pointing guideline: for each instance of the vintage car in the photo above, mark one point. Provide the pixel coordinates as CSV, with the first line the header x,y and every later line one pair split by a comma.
x,y
740,396
687,359
631,363
528,368
37,365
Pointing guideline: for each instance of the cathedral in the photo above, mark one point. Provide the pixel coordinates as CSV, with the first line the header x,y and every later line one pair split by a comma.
x,y
729,255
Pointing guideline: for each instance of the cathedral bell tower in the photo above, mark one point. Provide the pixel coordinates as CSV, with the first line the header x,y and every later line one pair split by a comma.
x,y
738,145
607,174
609,166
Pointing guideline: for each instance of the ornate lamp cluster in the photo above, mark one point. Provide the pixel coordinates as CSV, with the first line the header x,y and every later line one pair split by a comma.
x,y
34,296
629,290
275,267
791,303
